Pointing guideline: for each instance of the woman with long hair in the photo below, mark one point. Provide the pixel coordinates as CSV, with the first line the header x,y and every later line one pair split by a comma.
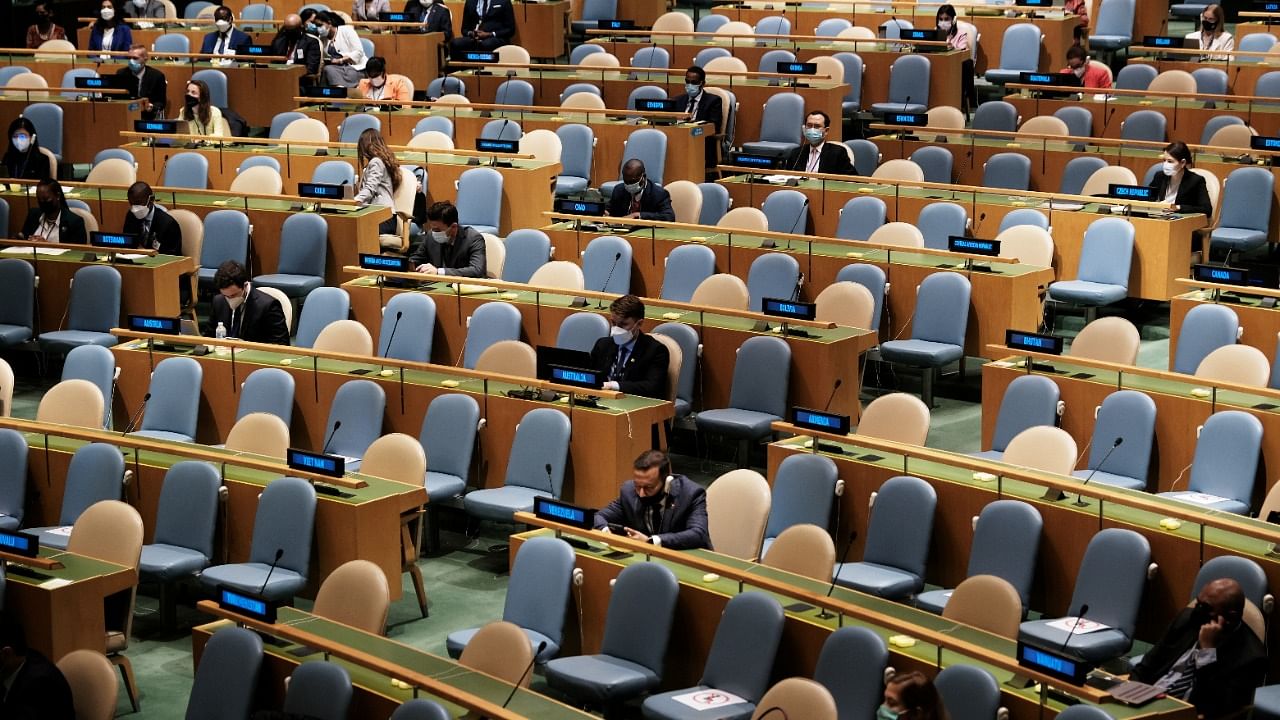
x,y
202,117
1213,33
379,175
109,32
949,29
23,159
911,696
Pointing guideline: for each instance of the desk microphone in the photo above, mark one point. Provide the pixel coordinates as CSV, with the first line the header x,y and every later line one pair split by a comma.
x,y
1107,122
795,292
853,536
390,338
1114,445
1083,610
133,421
551,488
616,257
832,397
336,424
279,554
906,103
541,646
804,209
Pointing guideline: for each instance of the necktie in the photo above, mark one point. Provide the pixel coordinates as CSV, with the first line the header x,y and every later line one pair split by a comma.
x,y
814,157
237,316
693,104
619,365
222,44
1181,688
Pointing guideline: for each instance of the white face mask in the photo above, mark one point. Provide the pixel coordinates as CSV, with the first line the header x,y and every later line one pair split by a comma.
x,y
440,236
620,336
21,143
107,13
944,25
237,301
140,211
635,187
378,81
1169,167
222,25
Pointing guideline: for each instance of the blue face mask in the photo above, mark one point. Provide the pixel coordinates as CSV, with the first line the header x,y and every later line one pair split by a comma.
x,y
690,89
884,713
813,135
313,28
135,66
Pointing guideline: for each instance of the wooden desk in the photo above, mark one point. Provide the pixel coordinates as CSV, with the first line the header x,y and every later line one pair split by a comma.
x,y
1242,77
351,232
373,661
149,285
816,362
944,77
87,127
686,142
1162,250
1057,29
61,609
605,440
542,27
1006,298
1260,324
257,93
526,188
751,94
362,524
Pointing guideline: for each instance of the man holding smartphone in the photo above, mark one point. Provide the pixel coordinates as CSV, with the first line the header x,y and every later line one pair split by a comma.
x,y
658,507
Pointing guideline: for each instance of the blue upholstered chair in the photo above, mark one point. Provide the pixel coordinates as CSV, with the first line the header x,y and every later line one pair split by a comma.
x,y
282,533
535,468
937,329
1225,463
1006,540
1130,415
174,407
898,533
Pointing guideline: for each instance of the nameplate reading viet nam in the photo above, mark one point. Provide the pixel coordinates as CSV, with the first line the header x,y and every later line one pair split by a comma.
x,y
247,604
19,543
319,463
820,420
561,512
1033,342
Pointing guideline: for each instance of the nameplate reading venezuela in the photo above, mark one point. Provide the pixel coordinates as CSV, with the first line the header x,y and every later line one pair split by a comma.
x,y
155,324
318,463
389,263
820,420
1033,342
973,246
19,543
247,604
549,509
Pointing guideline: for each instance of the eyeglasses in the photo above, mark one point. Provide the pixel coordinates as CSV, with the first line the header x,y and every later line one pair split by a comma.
x,y
812,126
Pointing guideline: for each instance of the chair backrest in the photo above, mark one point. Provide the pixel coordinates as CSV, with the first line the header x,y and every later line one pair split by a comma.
x,y
187,170
577,144
687,337
13,482
761,376
673,21
938,222
1028,401
490,323
866,156
226,237
1011,171
514,92
935,162
285,520
559,274
606,265
397,457
787,211
431,140
1212,81
1247,205
1205,328
1115,17
320,690
435,123
797,697
650,147
538,591
1250,576
901,524
1107,253
408,326
942,309
69,79
851,666
646,590
420,709
581,330
477,189
279,122
1111,578
722,290
188,510
1027,244
997,114
1226,458
909,80
1078,119
359,405
968,692
47,117
742,651
347,336
899,417
175,397
95,474
542,438
500,649
527,250
28,86
306,128
1075,176
509,357
93,683
1045,125
772,275
356,594
986,602
1146,125
217,82
737,509
1005,541
333,172
72,402
261,179
17,293
112,171
845,303
260,433
1020,48
715,203
1111,339
1240,364
686,201
268,390
804,490
898,170
744,218
1179,81
108,530
712,22
805,550
448,434
770,59
324,305
860,218
1130,415
872,278
899,234
675,359
544,145
1135,77
226,679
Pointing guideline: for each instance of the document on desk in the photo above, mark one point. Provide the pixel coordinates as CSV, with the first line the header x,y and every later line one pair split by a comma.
x,y
1078,626
55,583
707,699
1198,498
27,250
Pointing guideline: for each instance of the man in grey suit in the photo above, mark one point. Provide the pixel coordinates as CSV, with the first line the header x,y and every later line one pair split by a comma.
x,y
449,248
663,509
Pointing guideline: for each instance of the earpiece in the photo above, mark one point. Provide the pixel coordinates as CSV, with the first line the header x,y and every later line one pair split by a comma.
x,y
577,577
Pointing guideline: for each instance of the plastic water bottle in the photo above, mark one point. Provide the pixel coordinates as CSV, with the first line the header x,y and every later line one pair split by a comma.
x,y
221,333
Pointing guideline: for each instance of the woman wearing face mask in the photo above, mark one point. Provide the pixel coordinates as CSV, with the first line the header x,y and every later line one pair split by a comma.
x,y
44,29
108,32
378,84
24,159
1093,75
1177,184
343,55
1213,34
949,30
911,696
379,175
434,16
51,220
201,116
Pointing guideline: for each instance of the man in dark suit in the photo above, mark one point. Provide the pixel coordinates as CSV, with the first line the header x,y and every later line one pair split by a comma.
x,y
144,83
246,312
702,106
486,25
815,154
633,362
1209,656
434,16
51,220
301,49
156,228
637,197
448,248
227,37
31,687
663,509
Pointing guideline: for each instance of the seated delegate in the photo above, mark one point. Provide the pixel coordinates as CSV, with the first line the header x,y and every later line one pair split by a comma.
x,y
632,362
449,248
659,508
637,197
144,83
244,311
51,220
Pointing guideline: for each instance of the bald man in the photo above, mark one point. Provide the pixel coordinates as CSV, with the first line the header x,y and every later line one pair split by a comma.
x,y
299,47
639,197
1209,656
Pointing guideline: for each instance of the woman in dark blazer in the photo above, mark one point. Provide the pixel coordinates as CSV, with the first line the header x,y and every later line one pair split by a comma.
x,y
51,220
109,18
1176,182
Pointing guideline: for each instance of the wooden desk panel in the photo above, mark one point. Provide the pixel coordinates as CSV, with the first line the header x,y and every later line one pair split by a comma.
x,y
1260,325
63,618
87,127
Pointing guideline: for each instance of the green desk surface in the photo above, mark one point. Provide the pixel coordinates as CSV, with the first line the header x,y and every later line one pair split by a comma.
x,y
963,197
117,59
1055,146
1253,302
567,115
904,616
816,247
1142,101
75,568
424,378
527,703
375,489
615,74
437,157
76,256
653,311
193,198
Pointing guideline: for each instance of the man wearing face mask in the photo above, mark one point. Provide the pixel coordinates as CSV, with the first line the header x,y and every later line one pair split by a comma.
x,y
157,229
51,220
378,84
144,9
226,37
637,197
246,312
632,362
701,106
1209,656
449,248
657,507
815,154
144,82
1092,75
434,16
300,48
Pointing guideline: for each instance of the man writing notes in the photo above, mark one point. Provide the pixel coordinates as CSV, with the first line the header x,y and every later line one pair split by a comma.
x,y
815,154
638,197
657,507
449,248
246,312
632,362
